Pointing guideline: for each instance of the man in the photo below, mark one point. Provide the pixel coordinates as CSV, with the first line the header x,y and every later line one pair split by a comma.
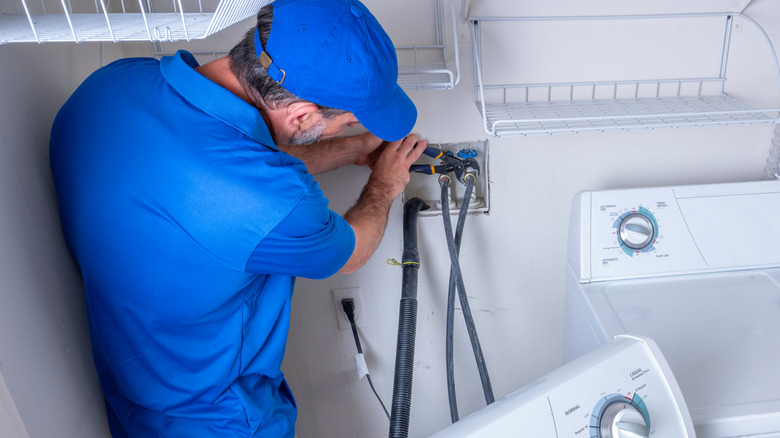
x,y
189,215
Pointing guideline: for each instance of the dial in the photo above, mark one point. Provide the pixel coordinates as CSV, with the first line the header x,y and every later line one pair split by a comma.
x,y
637,231
617,416
621,420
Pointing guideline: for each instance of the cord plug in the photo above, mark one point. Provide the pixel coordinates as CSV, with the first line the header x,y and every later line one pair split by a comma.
x,y
348,304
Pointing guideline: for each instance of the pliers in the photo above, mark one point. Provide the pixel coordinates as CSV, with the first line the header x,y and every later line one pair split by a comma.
x,y
460,166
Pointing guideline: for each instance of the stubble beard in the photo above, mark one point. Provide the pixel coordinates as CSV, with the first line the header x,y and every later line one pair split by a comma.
x,y
309,135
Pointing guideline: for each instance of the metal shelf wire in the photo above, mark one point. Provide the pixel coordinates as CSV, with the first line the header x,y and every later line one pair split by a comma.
x,y
549,108
23,22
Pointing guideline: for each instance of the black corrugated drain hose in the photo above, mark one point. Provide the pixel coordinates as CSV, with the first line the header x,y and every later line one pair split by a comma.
x,y
407,324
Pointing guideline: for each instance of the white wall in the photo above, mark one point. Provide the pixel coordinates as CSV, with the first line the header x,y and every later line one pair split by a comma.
x,y
45,356
513,259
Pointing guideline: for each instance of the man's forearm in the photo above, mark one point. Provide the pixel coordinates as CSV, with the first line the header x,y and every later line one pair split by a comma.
x,y
389,176
326,155
368,219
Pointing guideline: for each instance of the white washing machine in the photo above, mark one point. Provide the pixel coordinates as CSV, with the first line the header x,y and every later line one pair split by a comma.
x,y
623,389
697,269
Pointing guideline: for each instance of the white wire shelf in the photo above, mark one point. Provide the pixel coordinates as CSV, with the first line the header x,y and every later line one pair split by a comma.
x,y
424,66
57,22
571,107
547,117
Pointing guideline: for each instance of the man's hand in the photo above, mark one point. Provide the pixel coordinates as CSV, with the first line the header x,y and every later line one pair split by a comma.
x,y
391,167
389,176
368,150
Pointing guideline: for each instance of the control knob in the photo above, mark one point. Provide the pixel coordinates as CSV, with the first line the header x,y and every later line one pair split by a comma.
x,y
636,231
616,416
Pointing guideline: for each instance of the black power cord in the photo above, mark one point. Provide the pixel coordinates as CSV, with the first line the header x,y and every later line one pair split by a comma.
x,y
348,304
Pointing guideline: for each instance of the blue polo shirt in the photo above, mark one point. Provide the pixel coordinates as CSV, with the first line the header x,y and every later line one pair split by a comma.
x,y
189,227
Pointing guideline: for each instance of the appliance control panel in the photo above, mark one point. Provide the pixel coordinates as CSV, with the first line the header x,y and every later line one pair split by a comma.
x,y
636,233
639,231
622,389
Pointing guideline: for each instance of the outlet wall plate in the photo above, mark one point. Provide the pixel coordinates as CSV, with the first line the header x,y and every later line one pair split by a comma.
x,y
341,317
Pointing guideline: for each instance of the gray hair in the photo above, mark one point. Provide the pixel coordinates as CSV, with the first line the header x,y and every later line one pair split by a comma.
x,y
255,79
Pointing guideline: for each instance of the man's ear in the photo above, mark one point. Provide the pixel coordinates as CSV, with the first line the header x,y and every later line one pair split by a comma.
x,y
301,115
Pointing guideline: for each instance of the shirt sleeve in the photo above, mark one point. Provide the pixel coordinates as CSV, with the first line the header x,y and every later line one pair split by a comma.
x,y
312,242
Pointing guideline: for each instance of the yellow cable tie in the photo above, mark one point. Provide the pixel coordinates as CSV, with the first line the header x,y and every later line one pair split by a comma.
x,y
394,262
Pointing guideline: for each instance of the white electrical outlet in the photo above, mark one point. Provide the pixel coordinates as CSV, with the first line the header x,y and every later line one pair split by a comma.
x,y
341,317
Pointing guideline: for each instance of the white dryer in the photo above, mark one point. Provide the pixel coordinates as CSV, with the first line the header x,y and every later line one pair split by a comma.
x,y
697,269
623,389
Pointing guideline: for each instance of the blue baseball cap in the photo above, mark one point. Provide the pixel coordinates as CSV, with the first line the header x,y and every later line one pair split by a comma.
x,y
335,53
